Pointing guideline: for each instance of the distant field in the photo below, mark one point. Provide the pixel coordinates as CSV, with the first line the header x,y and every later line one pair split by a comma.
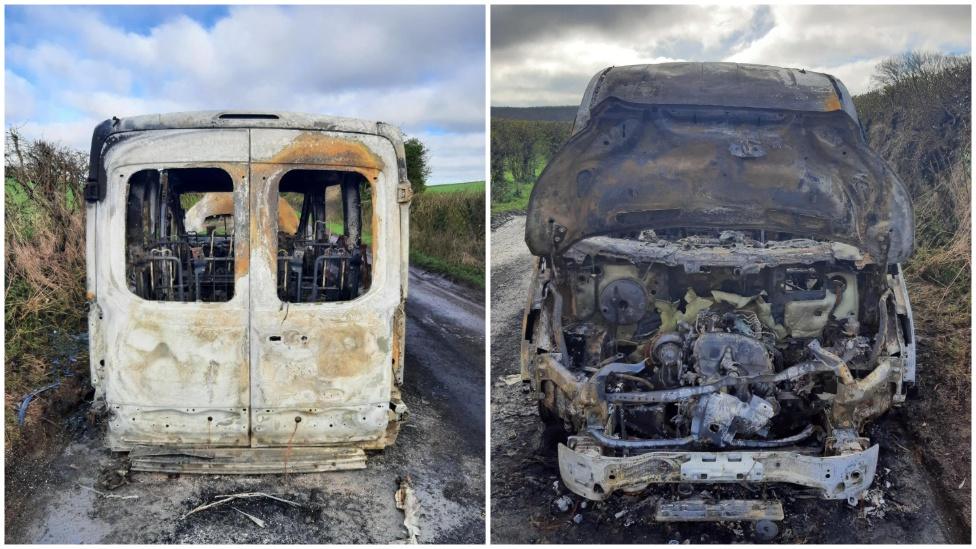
x,y
472,186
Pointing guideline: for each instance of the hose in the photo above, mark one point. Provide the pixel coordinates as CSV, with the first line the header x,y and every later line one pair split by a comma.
x,y
805,433
683,393
609,442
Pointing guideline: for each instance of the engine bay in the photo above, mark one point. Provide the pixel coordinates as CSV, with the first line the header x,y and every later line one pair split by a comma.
x,y
728,351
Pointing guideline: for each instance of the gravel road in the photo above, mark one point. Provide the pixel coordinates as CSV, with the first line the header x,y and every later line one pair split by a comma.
x,y
524,482
441,447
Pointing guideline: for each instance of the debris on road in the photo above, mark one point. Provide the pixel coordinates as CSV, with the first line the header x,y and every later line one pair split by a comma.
x,y
875,505
406,501
231,497
512,379
563,503
260,523
114,476
22,409
104,495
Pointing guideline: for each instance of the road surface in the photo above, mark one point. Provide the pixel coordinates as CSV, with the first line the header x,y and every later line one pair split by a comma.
x,y
441,447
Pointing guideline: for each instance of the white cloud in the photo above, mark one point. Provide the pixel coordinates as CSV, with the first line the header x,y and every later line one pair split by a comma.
x,y
418,67
545,55
848,41
19,102
454,154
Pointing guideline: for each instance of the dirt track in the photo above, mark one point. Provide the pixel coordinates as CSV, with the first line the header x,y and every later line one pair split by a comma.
x,y
525,482
441,447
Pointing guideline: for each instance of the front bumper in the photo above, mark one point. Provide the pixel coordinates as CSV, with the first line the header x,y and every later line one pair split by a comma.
x,y
593,476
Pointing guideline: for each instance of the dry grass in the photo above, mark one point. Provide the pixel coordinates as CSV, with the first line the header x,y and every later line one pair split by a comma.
x,y
447,233
45,277
922,127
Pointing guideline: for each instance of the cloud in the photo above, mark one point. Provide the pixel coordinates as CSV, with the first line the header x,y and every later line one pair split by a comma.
x,y
418,67
20,97
545,55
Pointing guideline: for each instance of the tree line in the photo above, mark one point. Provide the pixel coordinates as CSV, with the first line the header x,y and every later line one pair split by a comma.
x,y
520,149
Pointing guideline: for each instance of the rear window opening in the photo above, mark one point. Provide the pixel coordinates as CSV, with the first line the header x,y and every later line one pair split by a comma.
x,y
322,251
180,234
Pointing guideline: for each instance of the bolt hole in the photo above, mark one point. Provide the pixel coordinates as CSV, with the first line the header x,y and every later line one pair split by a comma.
x,y
298,419
209,418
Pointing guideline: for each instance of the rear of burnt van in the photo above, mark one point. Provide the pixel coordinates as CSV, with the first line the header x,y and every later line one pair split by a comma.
x,y
247,274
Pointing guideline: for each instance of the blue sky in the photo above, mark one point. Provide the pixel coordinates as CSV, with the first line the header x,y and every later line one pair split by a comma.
x,y
419,67
545,55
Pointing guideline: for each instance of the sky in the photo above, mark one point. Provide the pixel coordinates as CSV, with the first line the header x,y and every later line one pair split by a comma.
x,y
545,55
421,68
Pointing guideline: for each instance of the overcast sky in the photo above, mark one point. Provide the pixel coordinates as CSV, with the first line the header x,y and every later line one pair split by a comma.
x,y
545,55
421,68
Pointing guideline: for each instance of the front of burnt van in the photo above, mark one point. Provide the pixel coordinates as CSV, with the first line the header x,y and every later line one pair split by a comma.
x,y
718,298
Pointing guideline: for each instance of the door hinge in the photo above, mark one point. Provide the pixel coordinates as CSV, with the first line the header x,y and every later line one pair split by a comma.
x,y
404,192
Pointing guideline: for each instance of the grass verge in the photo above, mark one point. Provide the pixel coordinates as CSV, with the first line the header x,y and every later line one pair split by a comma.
x,y
447,234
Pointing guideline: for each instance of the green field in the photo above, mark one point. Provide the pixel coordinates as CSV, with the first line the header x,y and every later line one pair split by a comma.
x,y
470,186
515,203
447,231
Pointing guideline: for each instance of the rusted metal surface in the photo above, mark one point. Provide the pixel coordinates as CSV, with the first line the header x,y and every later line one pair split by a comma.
x,y
247,461
728,84
698,510
594,476
643,159
253,371
717,296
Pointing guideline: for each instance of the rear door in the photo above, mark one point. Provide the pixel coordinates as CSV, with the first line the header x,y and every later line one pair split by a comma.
x,y
321,371
175,369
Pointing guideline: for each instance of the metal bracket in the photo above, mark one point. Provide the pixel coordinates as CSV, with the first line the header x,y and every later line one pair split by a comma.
x,y
697,510
404,192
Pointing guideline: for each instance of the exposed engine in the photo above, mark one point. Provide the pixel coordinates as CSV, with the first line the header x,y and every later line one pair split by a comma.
x,y
718,356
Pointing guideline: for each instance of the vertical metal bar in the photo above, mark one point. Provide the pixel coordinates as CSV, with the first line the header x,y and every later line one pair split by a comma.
x,y
352,208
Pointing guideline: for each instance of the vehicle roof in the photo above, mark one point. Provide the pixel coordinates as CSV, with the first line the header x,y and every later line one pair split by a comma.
x,y
243,119
737,85
114,129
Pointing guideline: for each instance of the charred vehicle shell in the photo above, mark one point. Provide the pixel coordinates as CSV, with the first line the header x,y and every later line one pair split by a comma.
x,y
717,297
247,274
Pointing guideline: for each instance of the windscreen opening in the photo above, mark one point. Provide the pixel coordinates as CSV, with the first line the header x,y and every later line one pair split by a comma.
x,y
180,234
322,245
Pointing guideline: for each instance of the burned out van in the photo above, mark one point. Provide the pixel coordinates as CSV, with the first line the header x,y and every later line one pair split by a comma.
x,y
718,298
247,275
